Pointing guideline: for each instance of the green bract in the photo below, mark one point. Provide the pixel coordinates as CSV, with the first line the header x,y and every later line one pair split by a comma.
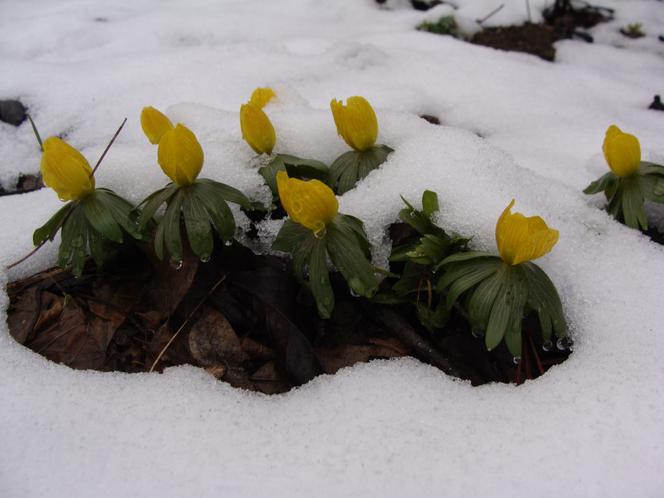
x,y
88,226
201,207
498,296
627,195
350,167
345,242
420,253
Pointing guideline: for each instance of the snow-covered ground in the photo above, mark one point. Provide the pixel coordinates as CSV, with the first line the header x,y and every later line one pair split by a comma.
x,y
588,428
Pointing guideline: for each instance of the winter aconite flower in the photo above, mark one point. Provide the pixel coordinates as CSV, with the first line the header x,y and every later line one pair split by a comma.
x,y
622,151
356,122
261,97
154,124
310,203
65,170
257,130
180,155
521,239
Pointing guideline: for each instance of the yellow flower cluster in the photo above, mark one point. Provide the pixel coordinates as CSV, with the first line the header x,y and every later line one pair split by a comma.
x,y
179,154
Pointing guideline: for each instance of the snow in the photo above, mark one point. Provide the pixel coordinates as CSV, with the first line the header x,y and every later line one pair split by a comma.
x,y
589,427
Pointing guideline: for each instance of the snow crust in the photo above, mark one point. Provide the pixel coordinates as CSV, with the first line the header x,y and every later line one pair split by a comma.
x,y
590,427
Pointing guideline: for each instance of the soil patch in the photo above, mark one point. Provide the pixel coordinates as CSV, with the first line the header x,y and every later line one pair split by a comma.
x,y
535,39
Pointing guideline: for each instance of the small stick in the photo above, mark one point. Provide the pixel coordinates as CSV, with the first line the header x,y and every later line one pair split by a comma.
x,y
186,321
491,14
16,263
530,18
107,147
34,129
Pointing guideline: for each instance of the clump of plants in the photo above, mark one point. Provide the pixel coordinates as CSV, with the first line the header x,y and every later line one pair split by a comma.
x,y
446,25
634,30
433,273
631,181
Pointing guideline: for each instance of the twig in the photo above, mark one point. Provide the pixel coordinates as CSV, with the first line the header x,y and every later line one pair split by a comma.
x,y
34,129
16,263
530,17
421,348
107,147
186,321
491,14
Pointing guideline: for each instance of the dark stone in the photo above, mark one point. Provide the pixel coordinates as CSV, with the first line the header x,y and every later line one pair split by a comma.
x,y
656,104
12,112
430,119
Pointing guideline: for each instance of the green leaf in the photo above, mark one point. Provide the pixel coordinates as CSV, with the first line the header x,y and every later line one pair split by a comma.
x,y
633,208
464,256
197,223
353,166
350,224
149,206
49,229
349,258
74,241
100,218
648,168
466,275
433,318
430,202
416,219
290,236
120,209
411,279
216,208
168,231
601,184
210,188
482,299
543,298
319,279
507,308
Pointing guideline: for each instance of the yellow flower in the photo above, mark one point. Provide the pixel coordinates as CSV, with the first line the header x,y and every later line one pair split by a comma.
x,y
521,239
65,170
257,130
356,122
261,97
154,124
180,155
622,151
310,203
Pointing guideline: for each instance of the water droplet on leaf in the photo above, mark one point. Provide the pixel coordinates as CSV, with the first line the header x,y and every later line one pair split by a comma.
x,y
516,360
547,345
176,264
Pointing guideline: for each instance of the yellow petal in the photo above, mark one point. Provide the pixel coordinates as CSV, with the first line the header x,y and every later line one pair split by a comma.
x,y
521,239
310,203
356,122
622,151
261,97
257,130
180,155
154,124
65,170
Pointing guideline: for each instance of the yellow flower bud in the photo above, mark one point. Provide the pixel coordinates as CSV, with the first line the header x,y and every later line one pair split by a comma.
x,y
310,203
622,151
65,170
257,130
356,122
154,124
180,155
521,239
261,97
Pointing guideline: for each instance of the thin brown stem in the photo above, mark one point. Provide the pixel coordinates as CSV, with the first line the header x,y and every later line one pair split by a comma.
x,y
185,323
16,263
107,147
34,129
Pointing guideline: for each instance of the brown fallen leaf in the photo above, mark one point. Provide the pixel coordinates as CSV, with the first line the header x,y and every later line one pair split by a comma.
x,y
23,314
212,340
334,358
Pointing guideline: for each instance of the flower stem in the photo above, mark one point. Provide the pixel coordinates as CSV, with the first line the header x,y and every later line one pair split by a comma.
x,y
107,147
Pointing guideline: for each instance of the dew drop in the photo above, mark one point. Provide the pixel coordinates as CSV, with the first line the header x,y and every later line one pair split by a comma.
x,y
477,333
516,360
562,344
353,293
176,264
228,243
205,259
547,345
